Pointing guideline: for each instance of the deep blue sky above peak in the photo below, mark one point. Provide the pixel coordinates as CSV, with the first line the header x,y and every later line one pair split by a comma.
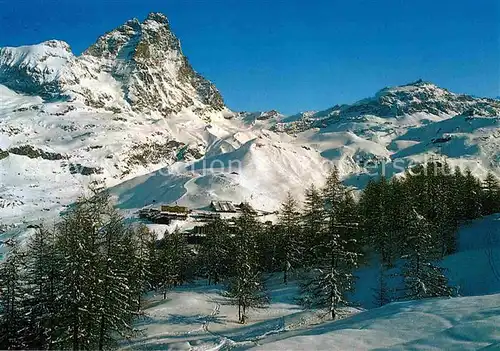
x,y
294,55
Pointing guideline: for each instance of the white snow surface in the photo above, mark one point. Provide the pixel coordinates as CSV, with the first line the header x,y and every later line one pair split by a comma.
x,y
243,159
130,112
157,140
198,316
466,323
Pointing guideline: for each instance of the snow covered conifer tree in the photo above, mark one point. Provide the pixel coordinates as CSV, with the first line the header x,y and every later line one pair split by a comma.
x,y
43,287
12,314
291,247
332,276
245,285
422,277
313,223
114,309
77,240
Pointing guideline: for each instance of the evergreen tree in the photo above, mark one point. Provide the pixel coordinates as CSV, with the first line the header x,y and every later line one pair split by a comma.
x,y
290,248
94,294
114,311
422,278
471,196
175,260
77,238
43,286
141,270
376,217
245,285
382,294
268,250
313,224
12,313
445,222
216,251
491,194
333,192
333,276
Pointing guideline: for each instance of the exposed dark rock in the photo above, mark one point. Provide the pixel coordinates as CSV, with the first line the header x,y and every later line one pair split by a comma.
x,y
30,108
441,140
154,153
77,168
31,152
142,49
3,154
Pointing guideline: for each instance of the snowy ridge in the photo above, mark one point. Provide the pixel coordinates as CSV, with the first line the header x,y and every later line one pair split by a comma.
x,y
138,66
131,112
37,69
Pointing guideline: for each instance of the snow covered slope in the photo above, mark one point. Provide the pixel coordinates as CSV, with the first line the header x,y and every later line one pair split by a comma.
x,y
466,323
132,113
198,317
138,66
398,127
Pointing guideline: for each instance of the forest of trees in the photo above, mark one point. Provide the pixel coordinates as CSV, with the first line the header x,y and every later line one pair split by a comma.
x,y
80,285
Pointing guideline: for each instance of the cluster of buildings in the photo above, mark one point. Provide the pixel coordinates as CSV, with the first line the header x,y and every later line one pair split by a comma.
x,y
165,214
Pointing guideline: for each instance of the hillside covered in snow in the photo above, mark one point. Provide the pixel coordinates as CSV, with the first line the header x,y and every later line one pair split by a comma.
x,y
131,112
199,317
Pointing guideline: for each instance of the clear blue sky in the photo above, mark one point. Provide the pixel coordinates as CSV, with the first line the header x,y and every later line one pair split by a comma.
x,y
295,55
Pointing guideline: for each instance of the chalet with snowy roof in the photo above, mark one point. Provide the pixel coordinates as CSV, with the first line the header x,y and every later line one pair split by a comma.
x,y
223,206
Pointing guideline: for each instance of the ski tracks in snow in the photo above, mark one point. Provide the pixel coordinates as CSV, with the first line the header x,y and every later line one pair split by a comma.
x,y
207,321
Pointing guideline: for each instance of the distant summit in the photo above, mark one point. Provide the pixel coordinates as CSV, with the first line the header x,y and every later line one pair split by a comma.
x,y
137,66
419,97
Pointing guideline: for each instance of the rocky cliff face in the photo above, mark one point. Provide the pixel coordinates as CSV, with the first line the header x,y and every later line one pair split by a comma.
x,y
137,66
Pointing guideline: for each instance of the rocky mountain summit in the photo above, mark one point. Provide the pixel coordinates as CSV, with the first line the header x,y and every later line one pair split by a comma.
x,y
132,113
399,102
137,66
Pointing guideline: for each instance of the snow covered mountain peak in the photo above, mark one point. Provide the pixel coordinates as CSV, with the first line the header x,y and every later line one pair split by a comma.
x,y
419,98
147,60
35,54
35,69
135,67
426,97
136,41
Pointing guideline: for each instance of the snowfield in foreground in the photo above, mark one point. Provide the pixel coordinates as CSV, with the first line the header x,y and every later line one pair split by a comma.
x,y
198,318
466,323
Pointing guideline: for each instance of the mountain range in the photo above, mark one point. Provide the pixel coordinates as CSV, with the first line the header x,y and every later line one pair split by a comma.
x,y
132,113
